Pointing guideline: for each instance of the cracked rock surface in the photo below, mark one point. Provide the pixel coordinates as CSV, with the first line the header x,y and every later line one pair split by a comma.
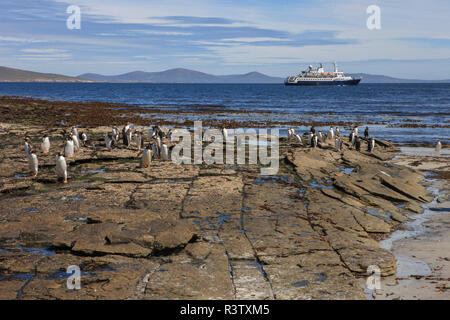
x,y
196,231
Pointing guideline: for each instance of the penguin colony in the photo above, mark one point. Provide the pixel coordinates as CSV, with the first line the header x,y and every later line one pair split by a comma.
x,y
75,141
157,148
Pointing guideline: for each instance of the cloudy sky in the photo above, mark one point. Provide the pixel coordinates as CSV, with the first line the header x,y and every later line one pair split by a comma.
x,y
276,37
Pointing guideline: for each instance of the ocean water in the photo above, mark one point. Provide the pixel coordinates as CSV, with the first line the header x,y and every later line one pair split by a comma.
x,y
384,106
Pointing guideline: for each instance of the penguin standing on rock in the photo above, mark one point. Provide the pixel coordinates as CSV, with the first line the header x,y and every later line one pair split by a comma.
x,y
225,134
351,138
61,167
109,140
298,138
139,140
338,132
126,135
69,148
315,141
330,133
366,133
28,146
310,138
438,146
76,143
337,144
371,144
115,132
146,157
357,144
45,145
164,152
33,163
83,138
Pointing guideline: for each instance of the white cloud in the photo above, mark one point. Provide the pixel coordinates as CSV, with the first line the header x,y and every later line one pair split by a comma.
x,y
21,40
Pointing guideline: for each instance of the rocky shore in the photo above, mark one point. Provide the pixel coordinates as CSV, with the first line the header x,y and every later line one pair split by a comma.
x,y
197,231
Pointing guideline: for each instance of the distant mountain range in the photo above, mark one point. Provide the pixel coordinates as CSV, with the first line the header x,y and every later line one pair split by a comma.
x,y
180,75
177,75
17,75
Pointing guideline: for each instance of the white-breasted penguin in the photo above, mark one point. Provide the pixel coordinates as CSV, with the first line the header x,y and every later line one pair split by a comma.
x,y
225,134
438,146
310,138
28,146
139,140
33,163
338,132
61,167
164,152
109,140
357,144
45,145
371,144
115,133
155,150
298,138
315,141
76,143
69,148
146,157
74,131
330,133
337,144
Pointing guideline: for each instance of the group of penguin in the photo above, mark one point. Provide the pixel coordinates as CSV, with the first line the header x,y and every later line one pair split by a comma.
x,y
74,142
314,138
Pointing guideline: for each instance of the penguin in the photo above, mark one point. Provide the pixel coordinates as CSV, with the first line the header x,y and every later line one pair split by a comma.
x,y
155,150
298,138
150,131
438,146
366,133
357,144
337,144
83,138
291,133
76,143
74,131
320,136
115,133
69,148
169,134
315,141
129,134
45,145
310,138
124,135
139,139
109,140
313,130
146,157
225,134
61,167
33,163
351,138
338,132
28,146
356,130
330,133
164,152
371,144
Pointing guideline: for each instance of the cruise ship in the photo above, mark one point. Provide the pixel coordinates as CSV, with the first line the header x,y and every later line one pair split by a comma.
x,y
318,77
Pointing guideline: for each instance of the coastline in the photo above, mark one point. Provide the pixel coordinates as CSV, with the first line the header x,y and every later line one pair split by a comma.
x,y
422,247
308,233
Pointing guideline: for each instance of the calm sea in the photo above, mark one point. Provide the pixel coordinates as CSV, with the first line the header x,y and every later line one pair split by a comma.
x,y
388,105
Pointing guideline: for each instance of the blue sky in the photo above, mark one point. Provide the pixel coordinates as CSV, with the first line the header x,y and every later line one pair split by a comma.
x,y
227,37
